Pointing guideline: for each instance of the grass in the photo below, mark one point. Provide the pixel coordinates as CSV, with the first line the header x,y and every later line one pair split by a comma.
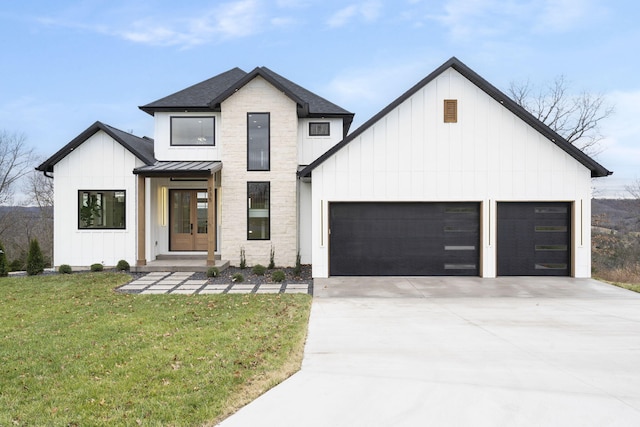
x,y
75,353
627,277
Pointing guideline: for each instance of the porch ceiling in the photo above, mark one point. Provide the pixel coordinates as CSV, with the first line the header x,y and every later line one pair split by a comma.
x,y
177,168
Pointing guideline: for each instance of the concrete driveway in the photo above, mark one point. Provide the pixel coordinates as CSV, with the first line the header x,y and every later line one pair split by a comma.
x,y
462,352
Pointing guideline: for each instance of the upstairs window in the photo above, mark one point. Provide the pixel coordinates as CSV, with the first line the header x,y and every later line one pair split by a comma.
x,y
258,141
105,209
319,129
192,131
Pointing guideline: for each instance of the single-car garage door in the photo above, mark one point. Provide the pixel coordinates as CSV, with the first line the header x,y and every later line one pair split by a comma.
x,y
534,239
404,239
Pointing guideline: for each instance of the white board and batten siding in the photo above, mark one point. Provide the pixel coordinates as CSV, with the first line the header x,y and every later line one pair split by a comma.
x,y
100,163
488,156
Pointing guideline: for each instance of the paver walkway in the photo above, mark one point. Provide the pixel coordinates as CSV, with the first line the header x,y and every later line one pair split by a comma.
x,y
183,283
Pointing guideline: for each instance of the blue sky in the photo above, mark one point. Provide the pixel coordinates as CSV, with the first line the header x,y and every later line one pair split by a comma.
x,y
66,64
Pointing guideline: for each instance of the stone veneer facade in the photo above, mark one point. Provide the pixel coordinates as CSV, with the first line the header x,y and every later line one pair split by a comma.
x,y
259,96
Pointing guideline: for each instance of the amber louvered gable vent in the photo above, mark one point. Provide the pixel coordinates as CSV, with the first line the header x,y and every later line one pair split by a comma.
x,y
451,111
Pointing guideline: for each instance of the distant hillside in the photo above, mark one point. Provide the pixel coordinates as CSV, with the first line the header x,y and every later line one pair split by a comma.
x,y
619,214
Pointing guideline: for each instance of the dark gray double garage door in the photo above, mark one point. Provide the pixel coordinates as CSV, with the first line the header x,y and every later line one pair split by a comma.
x,y
443,239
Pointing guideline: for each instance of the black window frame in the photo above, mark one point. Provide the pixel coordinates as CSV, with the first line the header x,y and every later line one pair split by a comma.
x,y
268,184
311,124
101,193
268,167
213,119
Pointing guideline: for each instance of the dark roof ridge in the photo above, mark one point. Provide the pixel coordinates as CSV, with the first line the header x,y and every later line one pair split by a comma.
x,y
597,170
183,97
141,147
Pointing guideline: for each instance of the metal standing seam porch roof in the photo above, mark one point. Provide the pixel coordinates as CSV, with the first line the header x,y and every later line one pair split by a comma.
x,y
597,170
179,168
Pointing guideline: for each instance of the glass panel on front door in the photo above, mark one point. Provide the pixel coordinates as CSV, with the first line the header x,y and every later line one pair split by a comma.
x,y
189,220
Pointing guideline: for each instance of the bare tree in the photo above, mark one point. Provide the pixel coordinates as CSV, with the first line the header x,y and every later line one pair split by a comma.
x,y
16,160
634,189
575,117
39,191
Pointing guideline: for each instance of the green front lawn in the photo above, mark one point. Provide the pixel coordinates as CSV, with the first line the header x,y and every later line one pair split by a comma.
x,y
74,352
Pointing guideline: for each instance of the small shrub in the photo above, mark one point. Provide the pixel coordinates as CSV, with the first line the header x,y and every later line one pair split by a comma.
x,y
97,267
278,276
243,259
35,260
259,270
297,270
272,255
213,272
65,269
122,265
16,265
237,278
4,268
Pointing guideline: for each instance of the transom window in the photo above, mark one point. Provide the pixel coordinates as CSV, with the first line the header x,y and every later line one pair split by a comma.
x,y
258,211
104,209
192,130
258,141
319,129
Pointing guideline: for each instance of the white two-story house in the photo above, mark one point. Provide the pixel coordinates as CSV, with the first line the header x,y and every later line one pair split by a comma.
x,y
451,178
220,176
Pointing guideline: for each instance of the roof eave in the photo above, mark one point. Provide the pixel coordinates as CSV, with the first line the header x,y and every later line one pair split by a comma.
x,y
596,169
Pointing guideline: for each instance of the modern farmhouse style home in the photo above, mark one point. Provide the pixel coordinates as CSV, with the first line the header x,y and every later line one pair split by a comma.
x,y
452,178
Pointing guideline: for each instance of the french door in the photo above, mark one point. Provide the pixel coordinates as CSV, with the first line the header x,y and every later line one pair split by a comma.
x,y
188,220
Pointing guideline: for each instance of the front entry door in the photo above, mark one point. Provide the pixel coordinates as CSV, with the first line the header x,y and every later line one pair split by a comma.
x,y
188,216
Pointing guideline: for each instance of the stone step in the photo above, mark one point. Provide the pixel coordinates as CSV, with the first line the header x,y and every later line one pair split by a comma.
x,y
173,265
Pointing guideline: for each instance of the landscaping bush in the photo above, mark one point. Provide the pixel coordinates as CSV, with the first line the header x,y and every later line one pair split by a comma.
x,y
237,278
4,268
278,276
297,270
213,272
65,269
16,265
97,267
122,265
272,255
243,259
35,260
259,270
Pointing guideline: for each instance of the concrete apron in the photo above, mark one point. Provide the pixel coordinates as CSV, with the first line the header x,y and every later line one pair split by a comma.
x,y
462,352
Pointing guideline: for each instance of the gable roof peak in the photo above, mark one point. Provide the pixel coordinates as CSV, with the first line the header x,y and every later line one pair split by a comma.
x,y
597,170
141,147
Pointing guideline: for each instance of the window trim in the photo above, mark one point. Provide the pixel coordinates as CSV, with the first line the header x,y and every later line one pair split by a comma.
x,y
101,192
268,183
213,118
268,143
320,134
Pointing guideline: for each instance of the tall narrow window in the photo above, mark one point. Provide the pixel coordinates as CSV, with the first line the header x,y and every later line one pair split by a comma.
x,y
258,215
258,141
451,111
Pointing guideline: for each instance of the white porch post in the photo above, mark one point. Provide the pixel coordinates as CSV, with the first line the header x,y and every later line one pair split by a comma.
x,y
141,253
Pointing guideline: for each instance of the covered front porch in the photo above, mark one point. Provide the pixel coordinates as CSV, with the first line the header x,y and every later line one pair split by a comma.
x,y
178,206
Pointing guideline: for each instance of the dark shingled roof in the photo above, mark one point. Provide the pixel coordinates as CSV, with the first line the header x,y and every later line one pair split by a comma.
x,y
209,94
597,170
198,96
142,148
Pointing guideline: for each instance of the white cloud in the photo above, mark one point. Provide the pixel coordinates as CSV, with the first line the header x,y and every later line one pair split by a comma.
x,y
369,11
229,20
